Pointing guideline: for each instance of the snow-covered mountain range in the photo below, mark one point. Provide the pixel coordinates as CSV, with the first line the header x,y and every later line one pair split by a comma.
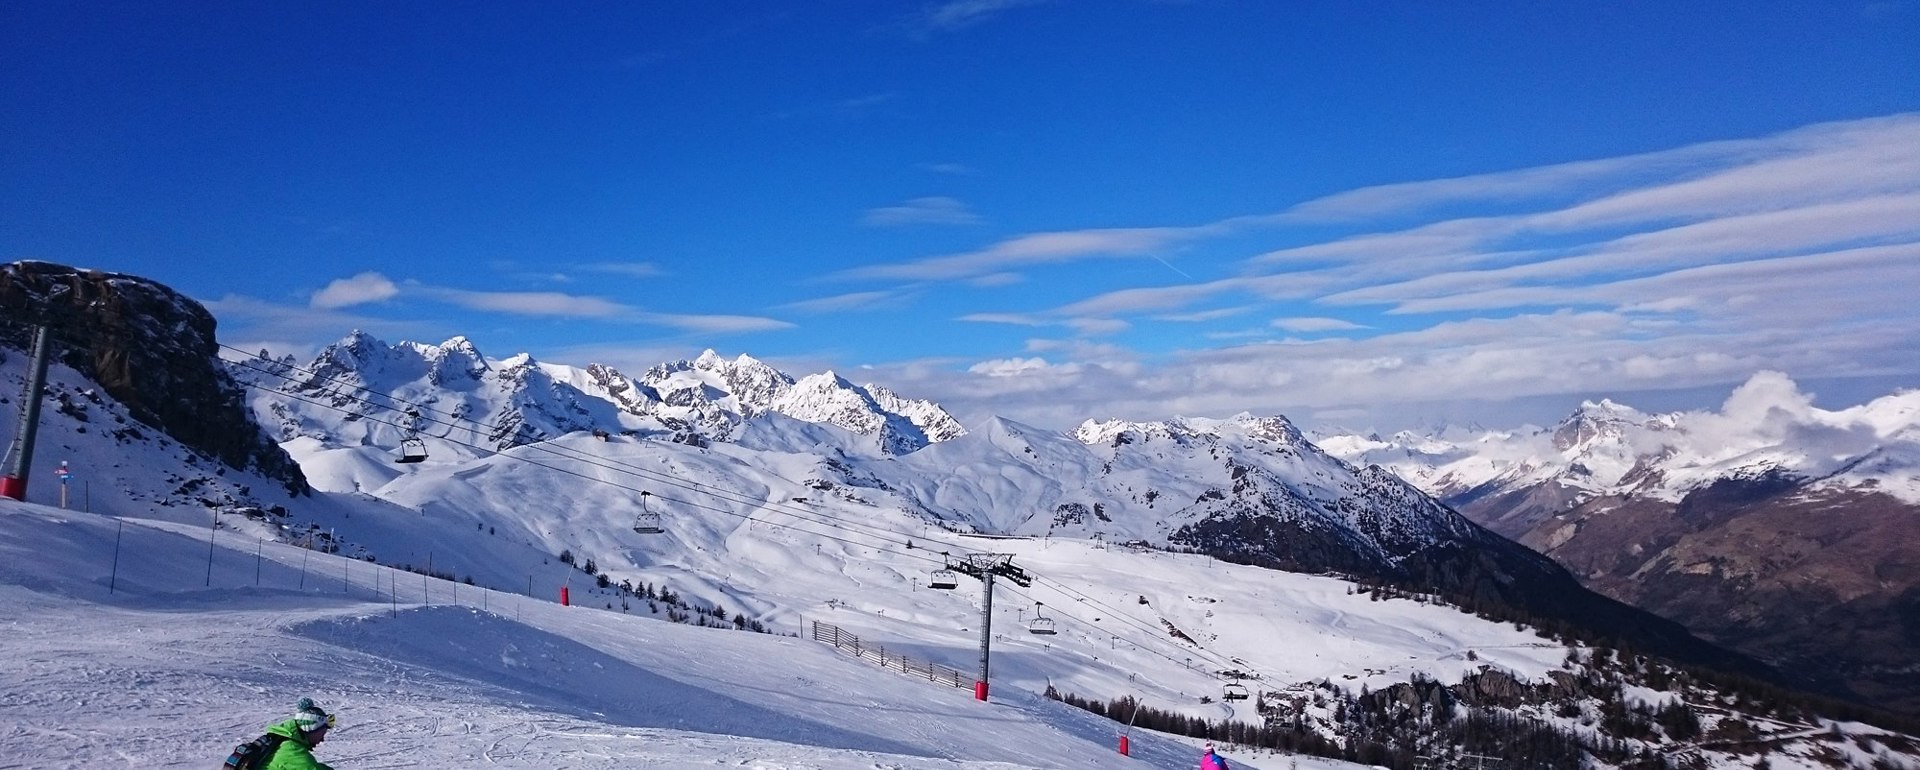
x,y
1782,529
371,393
1605,449
1248,488
781,521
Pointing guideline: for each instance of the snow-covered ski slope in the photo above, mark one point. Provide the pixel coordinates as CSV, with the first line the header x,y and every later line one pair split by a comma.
x,y
153,659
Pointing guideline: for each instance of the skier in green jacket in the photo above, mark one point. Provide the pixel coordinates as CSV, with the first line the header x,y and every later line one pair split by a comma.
x,y
305,730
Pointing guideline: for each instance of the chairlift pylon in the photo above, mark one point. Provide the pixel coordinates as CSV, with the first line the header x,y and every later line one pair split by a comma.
x,y
648,522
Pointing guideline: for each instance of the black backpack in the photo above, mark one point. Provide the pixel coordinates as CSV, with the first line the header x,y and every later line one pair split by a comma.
x,y
253,754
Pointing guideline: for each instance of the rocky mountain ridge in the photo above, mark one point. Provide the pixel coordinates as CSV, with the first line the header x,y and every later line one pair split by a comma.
x,y
1770,525
439,392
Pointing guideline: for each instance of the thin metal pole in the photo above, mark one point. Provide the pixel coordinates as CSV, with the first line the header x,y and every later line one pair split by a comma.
x,y
259,545
986,621
303,568
114,577
215,527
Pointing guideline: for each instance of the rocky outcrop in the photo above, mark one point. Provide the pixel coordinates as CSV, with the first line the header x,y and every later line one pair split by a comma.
x,y
151,349
1824,583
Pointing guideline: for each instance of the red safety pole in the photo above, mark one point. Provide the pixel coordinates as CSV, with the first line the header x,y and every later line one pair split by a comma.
x,y
980,690
1124,746
563,597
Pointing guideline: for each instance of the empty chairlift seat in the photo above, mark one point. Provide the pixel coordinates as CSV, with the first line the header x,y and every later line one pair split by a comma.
x,y
412,450
1041,624
648,522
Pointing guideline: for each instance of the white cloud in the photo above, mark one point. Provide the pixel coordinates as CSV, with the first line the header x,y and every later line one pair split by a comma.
x,y
859,300
1032,249
714,324
992,280
1315,324
1204,315
1098,326
922,211
629,269
358,290
530,303
1008,367
251,324
1015,319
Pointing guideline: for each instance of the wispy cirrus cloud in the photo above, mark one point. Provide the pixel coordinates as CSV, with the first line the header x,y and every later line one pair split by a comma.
x,y
629,269
1686,268
922,211
527,303
1205,315
559,305
1826,187
1027,250
858,300
714,324
1316,324
958,14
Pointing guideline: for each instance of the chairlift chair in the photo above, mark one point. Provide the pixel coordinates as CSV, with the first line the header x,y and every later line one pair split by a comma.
x,y
944,578
1235,691
412,450
648,522
1041,624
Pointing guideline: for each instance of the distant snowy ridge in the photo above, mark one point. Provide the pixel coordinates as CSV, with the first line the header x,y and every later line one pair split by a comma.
x,y
357,391
1606,449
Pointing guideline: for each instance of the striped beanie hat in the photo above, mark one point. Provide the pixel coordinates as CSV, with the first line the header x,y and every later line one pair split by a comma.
x,y
311,717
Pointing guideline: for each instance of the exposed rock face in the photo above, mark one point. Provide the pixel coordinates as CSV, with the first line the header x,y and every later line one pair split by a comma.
x,y
1823,583
152,350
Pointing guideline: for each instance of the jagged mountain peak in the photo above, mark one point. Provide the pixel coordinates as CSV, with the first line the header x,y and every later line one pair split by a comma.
x,y
1274,429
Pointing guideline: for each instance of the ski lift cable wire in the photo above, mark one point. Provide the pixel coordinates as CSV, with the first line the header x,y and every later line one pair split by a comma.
x,y
1197,651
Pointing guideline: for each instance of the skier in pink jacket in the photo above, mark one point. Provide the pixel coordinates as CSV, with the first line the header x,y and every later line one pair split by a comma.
x,y
1210,760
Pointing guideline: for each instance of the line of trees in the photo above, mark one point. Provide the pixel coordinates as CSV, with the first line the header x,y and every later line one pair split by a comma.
x,y
678,608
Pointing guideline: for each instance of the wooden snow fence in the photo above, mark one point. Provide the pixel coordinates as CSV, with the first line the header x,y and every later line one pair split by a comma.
x,y
848,643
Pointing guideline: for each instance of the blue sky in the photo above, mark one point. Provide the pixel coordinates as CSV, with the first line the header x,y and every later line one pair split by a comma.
x,y
1352,212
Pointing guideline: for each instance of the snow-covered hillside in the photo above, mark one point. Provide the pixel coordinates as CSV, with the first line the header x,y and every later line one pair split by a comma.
x,y
136,646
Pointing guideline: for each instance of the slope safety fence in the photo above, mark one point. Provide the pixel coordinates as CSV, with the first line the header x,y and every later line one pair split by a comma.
x,y
851,644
